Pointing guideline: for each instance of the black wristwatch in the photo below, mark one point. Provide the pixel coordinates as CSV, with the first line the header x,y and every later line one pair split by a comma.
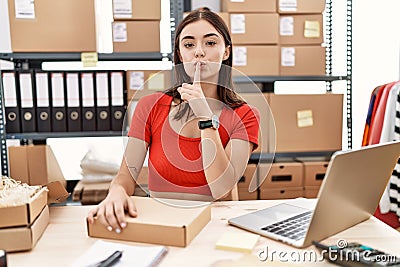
x,y
213,123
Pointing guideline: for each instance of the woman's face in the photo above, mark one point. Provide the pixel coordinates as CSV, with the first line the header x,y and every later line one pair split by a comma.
x,y
201,42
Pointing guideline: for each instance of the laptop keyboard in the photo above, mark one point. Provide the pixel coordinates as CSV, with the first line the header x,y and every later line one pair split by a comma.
x,y
294,227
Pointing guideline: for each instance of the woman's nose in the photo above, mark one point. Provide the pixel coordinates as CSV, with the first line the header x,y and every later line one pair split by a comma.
x,y
199,52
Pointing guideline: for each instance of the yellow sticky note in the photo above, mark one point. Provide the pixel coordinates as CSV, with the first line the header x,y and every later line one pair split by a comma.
x,y
242,242
304,118
312,29
89,59
156,82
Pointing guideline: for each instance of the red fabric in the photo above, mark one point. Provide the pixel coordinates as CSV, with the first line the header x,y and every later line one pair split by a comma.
x,y
389,218
175,163
379,115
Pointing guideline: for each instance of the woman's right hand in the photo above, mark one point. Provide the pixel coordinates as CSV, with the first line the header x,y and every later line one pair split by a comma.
x,y
111,211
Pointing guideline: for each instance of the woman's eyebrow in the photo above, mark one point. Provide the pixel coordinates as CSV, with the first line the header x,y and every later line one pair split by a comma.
x,y
205,36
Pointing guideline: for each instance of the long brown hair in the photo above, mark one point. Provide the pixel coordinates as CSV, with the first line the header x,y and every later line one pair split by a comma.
x,y
225,85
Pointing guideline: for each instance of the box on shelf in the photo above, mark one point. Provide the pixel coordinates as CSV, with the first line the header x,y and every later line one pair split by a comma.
x,y
249,6
311,191
52,26
300,6
281,175
160,223
259,100
306,123
244,183
34,165
256,60
23,215
281,193
90,193
301,29
24,238
302,60
314,172
245,28
143,82
136,36
137,10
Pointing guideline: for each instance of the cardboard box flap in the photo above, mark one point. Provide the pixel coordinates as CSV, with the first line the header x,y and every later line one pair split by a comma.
x,y
57,192
38,227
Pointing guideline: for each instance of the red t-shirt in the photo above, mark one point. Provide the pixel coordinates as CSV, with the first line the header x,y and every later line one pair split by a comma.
x,y
175,163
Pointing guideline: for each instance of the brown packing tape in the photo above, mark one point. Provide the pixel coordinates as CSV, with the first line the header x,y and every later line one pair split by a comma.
x,y
57,192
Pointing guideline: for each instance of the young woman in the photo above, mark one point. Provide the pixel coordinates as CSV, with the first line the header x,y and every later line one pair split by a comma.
x,y
199,134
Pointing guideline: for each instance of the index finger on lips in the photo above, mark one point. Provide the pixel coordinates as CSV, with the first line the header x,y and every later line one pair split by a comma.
x,y
196,79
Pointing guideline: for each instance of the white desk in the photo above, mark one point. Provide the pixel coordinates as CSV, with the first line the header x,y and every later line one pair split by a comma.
x,y
66,238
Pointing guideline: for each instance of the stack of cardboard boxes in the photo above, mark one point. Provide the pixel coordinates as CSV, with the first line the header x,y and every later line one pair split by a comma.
x,y
136,26
273,37
21,226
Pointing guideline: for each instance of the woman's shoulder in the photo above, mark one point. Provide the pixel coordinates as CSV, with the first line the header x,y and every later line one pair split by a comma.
x,y
246,109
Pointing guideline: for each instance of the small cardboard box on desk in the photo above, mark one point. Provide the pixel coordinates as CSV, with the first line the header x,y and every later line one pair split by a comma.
x,y
167,222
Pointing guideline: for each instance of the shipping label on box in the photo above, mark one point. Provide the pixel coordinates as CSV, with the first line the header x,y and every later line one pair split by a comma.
x,y
300,6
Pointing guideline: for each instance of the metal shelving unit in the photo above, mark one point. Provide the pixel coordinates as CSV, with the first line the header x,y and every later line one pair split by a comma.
x,y
34,60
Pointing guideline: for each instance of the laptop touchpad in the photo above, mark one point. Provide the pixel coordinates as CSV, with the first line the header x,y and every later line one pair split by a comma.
x,y
278,213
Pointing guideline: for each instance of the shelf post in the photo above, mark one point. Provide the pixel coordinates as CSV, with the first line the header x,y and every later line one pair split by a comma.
x,y
3,139
349,53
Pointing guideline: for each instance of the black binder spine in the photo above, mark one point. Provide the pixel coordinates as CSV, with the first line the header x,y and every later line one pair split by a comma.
x,y
11,102
74,112
88,105
27,95
43,116
58,112
102,102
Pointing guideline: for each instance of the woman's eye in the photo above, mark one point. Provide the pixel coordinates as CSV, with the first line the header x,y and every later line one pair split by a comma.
x,y
188,45
211,43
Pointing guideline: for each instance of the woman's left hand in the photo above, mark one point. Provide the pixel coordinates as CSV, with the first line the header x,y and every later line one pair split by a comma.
x,y
193,94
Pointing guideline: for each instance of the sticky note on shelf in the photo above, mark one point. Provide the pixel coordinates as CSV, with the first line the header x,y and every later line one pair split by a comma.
x,y
241,242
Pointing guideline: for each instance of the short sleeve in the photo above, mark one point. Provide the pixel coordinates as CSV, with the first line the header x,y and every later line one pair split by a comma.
x,y
248,126
141,120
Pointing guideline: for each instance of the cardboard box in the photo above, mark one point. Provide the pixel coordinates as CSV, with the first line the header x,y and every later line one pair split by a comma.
x,y
301,29
53,26
314,172
24,238
282,193
256,60
94,192
34,165
306,123
259,100
137,10
282,175
249,6
311,191
246,28
160,223
302,60
23,215
144,82
300,6
136,36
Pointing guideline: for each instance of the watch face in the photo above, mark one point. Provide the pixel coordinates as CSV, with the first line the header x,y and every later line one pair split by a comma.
x,y
215,121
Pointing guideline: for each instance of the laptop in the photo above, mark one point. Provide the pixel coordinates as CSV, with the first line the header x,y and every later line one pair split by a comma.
x,y
351,190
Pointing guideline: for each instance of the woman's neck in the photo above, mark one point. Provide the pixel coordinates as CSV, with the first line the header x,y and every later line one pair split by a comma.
x,y
209,90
